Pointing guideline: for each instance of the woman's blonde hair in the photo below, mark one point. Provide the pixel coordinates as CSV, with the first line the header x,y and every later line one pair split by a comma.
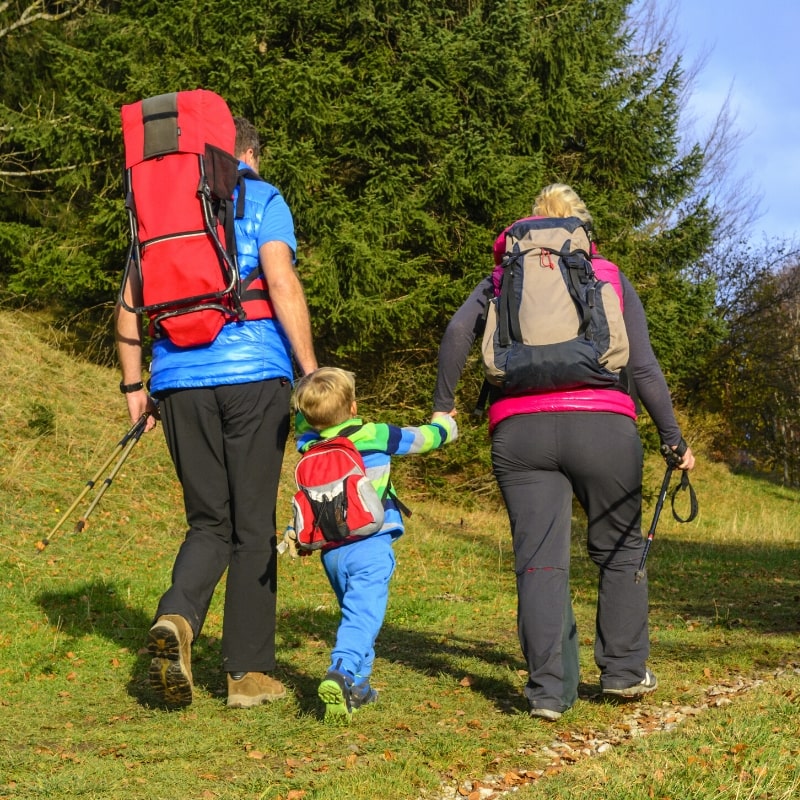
x,y
325,397
560,200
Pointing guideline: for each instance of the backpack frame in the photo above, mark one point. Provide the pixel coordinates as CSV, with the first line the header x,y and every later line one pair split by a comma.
x,y
180,175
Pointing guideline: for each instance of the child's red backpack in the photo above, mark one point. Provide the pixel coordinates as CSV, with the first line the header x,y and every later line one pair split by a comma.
x,y
180,175
335,500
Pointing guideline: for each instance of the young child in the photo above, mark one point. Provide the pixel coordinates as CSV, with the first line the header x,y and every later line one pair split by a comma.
x,y
359,570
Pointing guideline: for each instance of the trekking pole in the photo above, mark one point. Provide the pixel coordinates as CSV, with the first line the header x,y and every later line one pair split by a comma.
x,y
673,459
121,451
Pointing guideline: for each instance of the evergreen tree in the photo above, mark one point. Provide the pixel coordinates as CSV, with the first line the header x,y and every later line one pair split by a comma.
x,y
404,136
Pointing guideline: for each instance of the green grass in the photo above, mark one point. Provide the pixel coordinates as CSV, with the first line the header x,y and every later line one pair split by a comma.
x,y
78,719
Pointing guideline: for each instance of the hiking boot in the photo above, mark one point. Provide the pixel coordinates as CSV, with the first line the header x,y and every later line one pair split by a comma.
x,y
648,684
169,643
253,689
545,713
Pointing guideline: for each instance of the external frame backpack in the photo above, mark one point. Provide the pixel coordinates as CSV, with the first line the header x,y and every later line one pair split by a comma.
x,y
335,500
180,176
552,323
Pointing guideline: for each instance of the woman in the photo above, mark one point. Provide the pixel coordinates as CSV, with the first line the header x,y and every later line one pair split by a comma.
x,y
547,446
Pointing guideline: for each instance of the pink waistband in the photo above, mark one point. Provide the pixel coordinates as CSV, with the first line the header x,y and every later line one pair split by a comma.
x,y
584,399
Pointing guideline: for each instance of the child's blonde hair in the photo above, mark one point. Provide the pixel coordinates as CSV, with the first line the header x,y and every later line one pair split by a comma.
x,y
325,397
560,200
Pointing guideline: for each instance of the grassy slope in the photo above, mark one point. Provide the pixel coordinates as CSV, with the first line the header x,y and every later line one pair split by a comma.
x,y
78,719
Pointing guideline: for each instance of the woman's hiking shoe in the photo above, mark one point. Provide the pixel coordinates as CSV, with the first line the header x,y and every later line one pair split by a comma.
x,y
253,689
169,643
545,713
645,686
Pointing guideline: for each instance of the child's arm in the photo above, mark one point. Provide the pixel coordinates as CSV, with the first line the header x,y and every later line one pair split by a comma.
x,y
410,440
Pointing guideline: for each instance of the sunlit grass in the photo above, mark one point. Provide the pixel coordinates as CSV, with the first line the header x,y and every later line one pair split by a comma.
x,y
79,720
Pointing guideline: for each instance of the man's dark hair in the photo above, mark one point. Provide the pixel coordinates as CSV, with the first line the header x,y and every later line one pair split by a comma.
x,y
246,137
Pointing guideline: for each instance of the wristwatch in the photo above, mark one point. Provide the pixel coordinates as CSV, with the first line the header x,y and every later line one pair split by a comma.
x,y
127,388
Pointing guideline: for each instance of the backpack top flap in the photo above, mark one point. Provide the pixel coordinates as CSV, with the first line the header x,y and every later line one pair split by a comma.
x,y
542,256
180,122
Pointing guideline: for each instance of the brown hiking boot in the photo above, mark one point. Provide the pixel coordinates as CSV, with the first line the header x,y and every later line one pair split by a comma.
x,y
170,644
253,689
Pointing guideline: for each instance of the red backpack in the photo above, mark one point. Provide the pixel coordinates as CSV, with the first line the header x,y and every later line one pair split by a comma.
x,y
335,500
180,175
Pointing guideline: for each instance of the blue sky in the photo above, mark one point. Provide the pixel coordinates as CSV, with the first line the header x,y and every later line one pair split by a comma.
x,y
755,57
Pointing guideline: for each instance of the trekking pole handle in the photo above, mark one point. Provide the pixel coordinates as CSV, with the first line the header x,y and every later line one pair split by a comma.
x,y
674,457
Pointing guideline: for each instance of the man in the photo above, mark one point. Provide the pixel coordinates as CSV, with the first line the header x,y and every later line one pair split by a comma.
x,y
225,411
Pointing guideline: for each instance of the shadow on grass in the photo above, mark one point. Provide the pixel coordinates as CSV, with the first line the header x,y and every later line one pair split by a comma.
x,y
747,588
96,608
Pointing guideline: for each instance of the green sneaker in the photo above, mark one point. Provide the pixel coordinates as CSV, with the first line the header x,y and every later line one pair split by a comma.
x,y
361,694
334,691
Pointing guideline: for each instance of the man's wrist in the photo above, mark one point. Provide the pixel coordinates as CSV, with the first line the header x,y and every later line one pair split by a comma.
x,y
127,388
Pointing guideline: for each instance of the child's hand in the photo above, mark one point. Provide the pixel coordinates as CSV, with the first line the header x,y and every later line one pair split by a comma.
x,y
446,421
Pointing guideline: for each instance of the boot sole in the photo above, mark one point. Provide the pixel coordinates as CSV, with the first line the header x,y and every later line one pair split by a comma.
x,y
168,677
249,701
332,695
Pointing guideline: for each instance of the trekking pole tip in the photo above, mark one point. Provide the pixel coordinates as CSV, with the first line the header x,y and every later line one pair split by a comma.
x,y
41,544
639,575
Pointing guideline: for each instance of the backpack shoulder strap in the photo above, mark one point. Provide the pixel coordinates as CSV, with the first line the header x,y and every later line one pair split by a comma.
x,y
389,491
244,174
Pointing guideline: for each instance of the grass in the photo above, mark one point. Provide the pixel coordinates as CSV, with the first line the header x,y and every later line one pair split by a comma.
x,y
78,719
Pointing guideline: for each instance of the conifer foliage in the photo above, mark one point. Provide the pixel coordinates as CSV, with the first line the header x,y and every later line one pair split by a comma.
x,y
404,134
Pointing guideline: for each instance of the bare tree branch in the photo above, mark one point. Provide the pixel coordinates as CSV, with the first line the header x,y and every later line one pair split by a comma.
x,y
36,11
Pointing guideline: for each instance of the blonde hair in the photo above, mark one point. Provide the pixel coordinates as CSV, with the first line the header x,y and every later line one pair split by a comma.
x,y
325,397
560,200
